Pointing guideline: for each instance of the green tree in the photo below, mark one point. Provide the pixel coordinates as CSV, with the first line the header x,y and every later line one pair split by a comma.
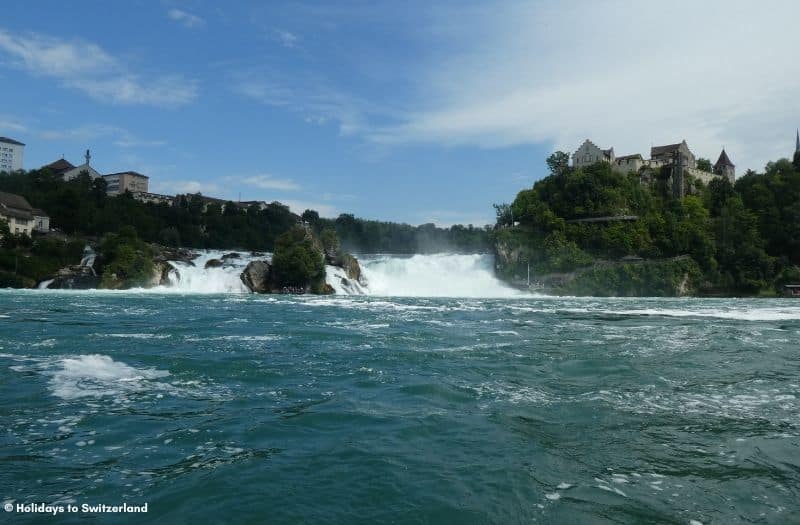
x,y
704,165
558,163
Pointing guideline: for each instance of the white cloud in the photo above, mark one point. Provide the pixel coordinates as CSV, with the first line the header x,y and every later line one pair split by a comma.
x,y
174,187
87,67
185,18
267,182
626,74
286,38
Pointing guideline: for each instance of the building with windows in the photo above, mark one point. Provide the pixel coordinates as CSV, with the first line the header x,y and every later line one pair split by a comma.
x,y
11,153
119,183
153,198
17,212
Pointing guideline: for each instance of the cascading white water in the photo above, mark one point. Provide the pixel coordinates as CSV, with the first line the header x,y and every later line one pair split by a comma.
x,y
438,275
198,279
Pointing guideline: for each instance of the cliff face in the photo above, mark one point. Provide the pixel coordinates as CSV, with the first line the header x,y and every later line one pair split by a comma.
x,y
673,277
510,256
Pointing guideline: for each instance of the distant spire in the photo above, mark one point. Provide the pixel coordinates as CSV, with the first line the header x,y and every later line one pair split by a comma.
x,y
797,144
88,157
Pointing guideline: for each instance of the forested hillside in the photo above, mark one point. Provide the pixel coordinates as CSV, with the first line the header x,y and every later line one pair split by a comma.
x,y
742,238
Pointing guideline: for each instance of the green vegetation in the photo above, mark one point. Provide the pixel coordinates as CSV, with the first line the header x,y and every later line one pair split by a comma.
x,y
80,207
742,239
367,236
25,261
127,260
298,262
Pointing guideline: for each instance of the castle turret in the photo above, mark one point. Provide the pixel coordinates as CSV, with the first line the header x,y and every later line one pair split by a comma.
x,y
725,168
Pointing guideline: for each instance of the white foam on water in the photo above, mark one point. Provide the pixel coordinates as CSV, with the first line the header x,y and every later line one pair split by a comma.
x,y
98,375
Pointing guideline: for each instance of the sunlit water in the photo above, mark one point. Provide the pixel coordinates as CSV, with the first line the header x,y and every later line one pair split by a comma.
x,y
277,409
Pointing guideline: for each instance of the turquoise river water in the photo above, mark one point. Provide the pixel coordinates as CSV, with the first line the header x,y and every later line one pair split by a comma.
x,y
234,408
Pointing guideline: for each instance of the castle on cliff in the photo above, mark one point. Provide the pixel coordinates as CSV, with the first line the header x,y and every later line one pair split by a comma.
x,y
677,160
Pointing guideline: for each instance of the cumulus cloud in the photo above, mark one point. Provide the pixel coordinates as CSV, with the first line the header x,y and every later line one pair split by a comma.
x,y
185,18
87,67
626,74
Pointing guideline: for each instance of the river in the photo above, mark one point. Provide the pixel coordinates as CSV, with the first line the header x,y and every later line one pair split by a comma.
x,y
431,398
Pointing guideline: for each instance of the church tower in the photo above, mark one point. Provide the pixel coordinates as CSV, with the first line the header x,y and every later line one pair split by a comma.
x,y
725,168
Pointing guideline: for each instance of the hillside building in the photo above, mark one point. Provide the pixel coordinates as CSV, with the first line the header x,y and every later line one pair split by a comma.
x,y
588,153
68,171
629,163
17,212
11,154
119,183
41,221
153,198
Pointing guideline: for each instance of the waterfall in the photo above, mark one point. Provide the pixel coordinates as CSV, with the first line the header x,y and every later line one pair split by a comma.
x,y
439,275
196,278
88,259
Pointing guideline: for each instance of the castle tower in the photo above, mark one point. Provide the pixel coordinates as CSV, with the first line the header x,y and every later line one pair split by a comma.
x,y
725,168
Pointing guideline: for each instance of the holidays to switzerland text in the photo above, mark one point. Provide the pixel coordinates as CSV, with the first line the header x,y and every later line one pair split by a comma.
x,y
44,508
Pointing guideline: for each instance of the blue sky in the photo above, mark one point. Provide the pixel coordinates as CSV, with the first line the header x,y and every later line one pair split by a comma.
x,y
402,111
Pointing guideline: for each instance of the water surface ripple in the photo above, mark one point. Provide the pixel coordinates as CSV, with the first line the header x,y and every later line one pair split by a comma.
x,y
248,409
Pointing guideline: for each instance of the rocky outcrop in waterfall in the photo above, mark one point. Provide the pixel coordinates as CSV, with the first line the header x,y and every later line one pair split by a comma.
x,y
75,277
256,276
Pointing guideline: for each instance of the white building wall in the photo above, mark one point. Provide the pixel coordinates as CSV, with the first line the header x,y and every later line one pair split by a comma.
x,y
587,154
18,226
11,156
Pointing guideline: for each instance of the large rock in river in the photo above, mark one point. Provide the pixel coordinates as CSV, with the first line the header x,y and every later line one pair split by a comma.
x,y
214,263
75,278
350,265
256,277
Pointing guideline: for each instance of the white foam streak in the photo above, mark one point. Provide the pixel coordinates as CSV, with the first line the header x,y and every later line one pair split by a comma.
x,y
98,375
